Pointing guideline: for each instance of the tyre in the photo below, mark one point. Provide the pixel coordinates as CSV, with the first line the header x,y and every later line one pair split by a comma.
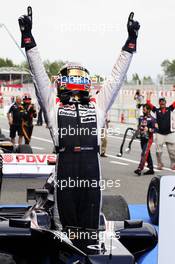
x,y
153,200
2,137
115,208
24,149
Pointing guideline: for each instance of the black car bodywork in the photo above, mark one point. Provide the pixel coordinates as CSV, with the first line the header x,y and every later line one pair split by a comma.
x,y
27,235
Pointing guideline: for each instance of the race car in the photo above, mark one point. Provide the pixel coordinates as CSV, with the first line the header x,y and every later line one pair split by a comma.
x,y
160,205
6,146
27,236
28,233
153,199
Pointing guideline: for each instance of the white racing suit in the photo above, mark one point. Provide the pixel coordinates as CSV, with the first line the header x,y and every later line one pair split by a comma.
x,y
78,155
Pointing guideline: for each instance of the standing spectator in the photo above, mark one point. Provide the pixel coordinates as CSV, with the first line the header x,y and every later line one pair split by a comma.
x,y
1,173
1,164
138,97
104,137
146,127
28,112
1,100
14,120
165,133
40,118
12,99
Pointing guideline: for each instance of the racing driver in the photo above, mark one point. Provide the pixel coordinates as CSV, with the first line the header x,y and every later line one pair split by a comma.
x,y
75,125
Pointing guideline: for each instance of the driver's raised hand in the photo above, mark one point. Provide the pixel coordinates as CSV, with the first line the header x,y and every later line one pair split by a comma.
x,y
133,28
25,24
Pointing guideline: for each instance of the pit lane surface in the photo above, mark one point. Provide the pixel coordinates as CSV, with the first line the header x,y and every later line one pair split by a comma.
x,y
132,187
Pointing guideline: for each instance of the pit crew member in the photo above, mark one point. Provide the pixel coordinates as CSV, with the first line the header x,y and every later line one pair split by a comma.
x,y
14,119
28,112
138,97
165,133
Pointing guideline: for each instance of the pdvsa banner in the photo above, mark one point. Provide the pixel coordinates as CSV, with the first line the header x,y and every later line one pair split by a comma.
x,y
29,158
28,165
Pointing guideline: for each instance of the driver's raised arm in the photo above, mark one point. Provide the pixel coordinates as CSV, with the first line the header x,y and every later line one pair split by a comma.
x,y
45,94
111,87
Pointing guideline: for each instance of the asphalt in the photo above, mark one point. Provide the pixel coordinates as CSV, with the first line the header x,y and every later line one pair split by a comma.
x,y
117,173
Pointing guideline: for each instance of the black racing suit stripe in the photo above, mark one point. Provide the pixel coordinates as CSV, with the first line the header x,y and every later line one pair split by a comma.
x,y
78,202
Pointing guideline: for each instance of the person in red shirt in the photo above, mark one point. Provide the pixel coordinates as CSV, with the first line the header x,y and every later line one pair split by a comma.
x,y
165,133
1,100
27,112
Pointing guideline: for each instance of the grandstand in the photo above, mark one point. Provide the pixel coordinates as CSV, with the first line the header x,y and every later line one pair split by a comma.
x,y
9,76
13,81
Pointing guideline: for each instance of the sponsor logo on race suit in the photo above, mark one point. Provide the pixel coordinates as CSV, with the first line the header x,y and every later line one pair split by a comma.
x,y
89,119
70,107
87,113
84,107
63,112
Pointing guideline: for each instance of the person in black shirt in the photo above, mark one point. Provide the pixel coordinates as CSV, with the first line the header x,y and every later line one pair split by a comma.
x,y
14,120
28,112
40,117
138,97
165,131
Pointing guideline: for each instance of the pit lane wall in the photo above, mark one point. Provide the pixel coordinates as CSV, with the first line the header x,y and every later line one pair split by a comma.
x,y
123,109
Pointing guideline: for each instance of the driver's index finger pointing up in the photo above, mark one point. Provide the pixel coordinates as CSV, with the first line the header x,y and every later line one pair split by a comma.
x,y
130,18
29,12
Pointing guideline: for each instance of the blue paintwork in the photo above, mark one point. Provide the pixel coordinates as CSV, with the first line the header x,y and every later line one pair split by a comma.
x,y
14,205
139,211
